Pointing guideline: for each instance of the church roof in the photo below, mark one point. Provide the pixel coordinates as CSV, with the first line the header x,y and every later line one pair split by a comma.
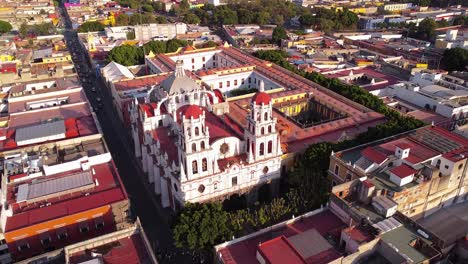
x,y
179,82
189,111
261,98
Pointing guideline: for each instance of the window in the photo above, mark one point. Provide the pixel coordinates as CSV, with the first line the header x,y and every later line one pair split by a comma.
x,y
23,246
265,170
186,98
175,187
336,169
201,188
195,96
204,164
234,181
228,83
188,131
262,149
100,225
62,235
269,129
193,67
270,146
46,241
250,80
446,167
224,148
203,59
197,131
177,99
235,82
220,85
84,229
262,131
194,147
215,186
460,166
202,145
193,60
438,164
265,116
194,167
242,81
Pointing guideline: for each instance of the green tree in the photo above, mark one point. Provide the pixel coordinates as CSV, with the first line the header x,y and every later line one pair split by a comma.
x,y
246,16
326,25
460,20
155,46
5,27
279,33
201,226
455,59
148,8
224,16
262,18
425,30
308,20
126,55
23,30
122,20
191,19
161,20
92,26
173,45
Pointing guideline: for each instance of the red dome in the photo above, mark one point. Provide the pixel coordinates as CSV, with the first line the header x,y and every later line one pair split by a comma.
x,y
261,98
192,111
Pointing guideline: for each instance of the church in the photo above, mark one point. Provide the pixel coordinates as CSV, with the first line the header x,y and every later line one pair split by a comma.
x,y
193,151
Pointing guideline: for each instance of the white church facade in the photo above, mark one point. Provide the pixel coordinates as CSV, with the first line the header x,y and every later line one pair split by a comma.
x,y
192,151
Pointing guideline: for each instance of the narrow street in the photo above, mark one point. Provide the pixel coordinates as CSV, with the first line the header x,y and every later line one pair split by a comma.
x,y
145,205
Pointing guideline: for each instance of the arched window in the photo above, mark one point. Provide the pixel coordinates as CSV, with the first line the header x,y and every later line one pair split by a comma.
x,y
204,164
202,145
194,167
194,147
197,131
262,131
262,149
177,99
188,131
269,129
265,116
195,96
270,146
186,98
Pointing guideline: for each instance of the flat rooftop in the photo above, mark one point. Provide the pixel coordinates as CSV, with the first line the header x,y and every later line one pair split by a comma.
x,y
326,229
51,197
125,250
449,223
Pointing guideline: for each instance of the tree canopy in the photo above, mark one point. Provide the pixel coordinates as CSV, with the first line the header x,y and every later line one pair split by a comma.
x,y
5,27
200,226
328,19
455,59
129,55
92,26
425,30
279,33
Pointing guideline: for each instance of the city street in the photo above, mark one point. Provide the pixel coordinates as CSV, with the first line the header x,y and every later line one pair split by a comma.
x,y
145,205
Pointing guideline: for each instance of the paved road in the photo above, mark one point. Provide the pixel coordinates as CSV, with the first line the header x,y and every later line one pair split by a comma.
x,y
144,204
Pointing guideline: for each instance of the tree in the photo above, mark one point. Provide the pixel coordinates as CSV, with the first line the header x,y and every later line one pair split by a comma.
x,y
307,20
460,20
279,33
161,20
92,26
262,18
326,25
126,55
173,45
245,16
425,30
23,30
122,20
191,19
224,16
455,59
155,46
5,27
148,8
201,226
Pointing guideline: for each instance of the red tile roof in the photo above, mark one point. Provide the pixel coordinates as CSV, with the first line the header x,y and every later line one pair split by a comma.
x,y
261,98
403,171
189,111
167,143
109,190
280,250
457,155
326,223
373,155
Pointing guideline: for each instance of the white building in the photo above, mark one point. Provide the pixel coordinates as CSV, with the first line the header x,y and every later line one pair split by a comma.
x,y
159,31
190,149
